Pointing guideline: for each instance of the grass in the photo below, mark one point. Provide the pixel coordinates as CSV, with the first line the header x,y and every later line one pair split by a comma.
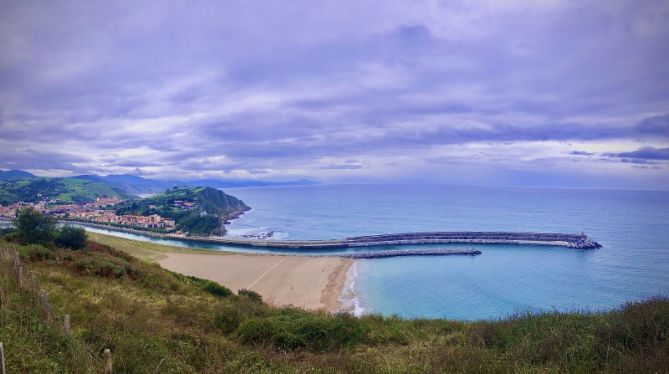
x,y
146,251
67,190
154,320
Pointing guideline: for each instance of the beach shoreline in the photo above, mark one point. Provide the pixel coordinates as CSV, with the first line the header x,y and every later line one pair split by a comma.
x,y
308,282
333,293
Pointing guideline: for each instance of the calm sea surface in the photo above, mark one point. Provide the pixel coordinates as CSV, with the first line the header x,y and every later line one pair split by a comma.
x,y
633,227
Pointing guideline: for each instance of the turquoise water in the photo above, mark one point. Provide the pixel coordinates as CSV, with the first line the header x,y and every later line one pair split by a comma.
x,y
633,227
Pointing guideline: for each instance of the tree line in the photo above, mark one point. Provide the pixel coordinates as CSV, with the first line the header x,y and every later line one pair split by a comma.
x,y
33,227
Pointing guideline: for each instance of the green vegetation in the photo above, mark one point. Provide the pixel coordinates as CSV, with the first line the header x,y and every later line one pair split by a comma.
x,y
147,251
196,210
251,295
15,175
157,321
66,190
32,227
71,237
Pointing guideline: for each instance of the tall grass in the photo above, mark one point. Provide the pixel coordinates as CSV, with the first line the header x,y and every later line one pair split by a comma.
x,y
154,320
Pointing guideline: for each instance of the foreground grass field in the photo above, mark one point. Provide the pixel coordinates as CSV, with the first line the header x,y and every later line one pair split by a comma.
x,y
155,321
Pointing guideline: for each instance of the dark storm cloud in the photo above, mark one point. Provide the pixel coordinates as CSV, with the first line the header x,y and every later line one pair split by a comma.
x,y
581,153
658,125
644,154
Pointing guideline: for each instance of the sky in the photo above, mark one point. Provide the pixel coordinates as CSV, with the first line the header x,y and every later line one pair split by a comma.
x,y
504,92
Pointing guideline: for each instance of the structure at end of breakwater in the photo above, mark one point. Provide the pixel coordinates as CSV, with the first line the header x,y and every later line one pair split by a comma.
x,y
583,242
413,252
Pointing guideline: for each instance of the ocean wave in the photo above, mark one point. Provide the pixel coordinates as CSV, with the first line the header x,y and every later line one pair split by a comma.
x,y
349,298
260,233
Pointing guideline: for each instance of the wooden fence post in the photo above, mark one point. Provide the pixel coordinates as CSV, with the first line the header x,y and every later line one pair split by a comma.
x,y
19,277
17,262
46,308
108,362
33,283
66,325
2,359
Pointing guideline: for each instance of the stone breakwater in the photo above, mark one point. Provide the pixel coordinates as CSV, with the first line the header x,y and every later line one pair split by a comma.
x,y
558,239
579,241
413,252
550,239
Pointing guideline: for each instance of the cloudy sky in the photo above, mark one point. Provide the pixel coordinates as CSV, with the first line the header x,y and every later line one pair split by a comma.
x,y
504,92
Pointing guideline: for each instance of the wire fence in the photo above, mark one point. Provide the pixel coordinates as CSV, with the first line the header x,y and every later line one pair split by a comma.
x,y
14,273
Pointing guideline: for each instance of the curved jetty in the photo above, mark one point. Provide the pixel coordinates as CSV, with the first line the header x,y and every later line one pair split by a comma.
x,y
559,239
580,241
459,237
413,252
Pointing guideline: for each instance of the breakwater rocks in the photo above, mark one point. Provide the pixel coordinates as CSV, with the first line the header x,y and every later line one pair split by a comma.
x,y
584,243
580,241
413,252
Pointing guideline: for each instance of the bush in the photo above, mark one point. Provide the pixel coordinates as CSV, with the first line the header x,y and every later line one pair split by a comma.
x,y
216,289
36,252
33,227
228,319
211,287
251,295
71,237
103,266
293,329
7,232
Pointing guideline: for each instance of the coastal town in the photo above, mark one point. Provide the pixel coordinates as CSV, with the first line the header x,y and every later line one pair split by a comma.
x,y
99,211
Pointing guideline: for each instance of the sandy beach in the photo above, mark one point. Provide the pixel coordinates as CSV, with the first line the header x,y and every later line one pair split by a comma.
x,y
307,282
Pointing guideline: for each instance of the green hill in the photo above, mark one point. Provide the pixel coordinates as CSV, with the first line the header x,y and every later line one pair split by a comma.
x,y
196,210
67,190
15,175
155,321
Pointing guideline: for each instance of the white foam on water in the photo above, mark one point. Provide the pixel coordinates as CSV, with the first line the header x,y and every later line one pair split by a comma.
x,y
349,298
255,231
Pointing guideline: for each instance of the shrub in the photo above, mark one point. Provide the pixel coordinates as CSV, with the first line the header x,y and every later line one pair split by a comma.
x,y
103,266
293,329
7,232
71,237
211,287
216,289
32,226
228,319
36,252
251,295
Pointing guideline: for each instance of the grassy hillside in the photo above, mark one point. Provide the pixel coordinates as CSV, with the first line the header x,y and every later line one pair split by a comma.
x,y
15,175
157,321
67,190
211,207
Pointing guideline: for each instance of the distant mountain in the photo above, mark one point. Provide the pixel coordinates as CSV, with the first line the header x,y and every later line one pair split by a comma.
x,y
232,183
17,185
196,210
139,186
66,190
14,175
132,184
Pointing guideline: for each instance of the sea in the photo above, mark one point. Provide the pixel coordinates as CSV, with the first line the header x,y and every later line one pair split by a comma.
x,y
632,226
